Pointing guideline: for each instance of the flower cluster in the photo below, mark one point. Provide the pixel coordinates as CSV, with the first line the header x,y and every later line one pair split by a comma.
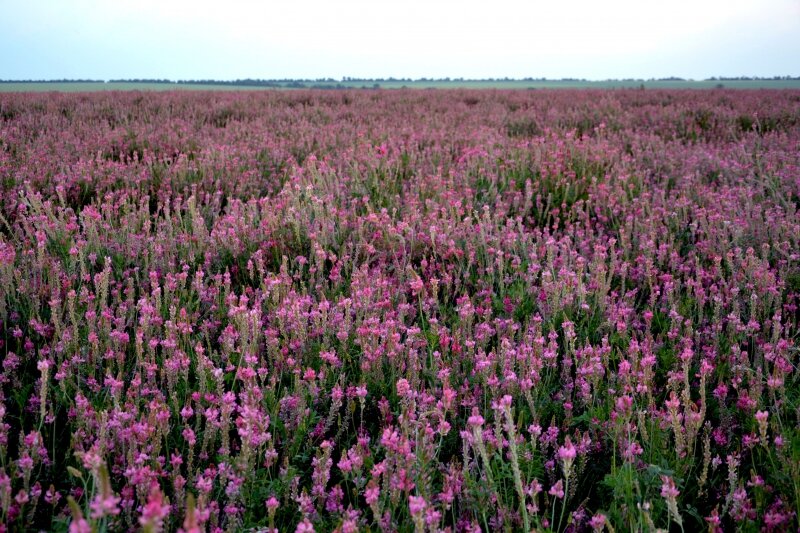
x,y
402,311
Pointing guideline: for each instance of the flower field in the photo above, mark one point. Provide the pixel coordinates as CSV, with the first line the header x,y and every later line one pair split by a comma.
x,y
400,311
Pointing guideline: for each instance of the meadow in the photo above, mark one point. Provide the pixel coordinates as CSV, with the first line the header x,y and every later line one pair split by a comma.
x,y
449,310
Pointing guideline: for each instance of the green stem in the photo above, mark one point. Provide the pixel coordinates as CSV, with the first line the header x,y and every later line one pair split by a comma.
x,y
564,502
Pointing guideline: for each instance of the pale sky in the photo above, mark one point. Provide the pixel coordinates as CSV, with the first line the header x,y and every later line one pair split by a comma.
x,y
199,39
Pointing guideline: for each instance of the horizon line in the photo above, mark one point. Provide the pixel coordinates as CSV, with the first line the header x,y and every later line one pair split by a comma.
x,y
348,79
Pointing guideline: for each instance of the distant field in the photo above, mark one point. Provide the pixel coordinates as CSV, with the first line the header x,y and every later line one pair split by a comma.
x,y
466,84
519,84
92,87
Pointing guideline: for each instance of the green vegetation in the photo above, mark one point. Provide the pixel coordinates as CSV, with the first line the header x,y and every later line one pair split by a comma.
x,y
392,83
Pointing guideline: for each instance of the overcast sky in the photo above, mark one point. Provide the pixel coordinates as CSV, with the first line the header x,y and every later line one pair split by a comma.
x,y
198,39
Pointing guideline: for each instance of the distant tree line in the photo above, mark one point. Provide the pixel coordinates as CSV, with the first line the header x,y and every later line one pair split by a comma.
x,y
52,81
142,80
250,82
331,83
754,78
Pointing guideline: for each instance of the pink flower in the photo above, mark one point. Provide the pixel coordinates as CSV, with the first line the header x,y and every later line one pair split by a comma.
x,y
475,420
557,490
714,522
668,489
22,497
79,526
372,493
632,450
305,527
403,388
597,522
154,511
272,504
567,452
417,505
104,506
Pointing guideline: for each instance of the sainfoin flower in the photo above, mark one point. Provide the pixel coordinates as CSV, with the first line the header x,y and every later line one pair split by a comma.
x,y
557,490
566,454
154,511
416,505
670,494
